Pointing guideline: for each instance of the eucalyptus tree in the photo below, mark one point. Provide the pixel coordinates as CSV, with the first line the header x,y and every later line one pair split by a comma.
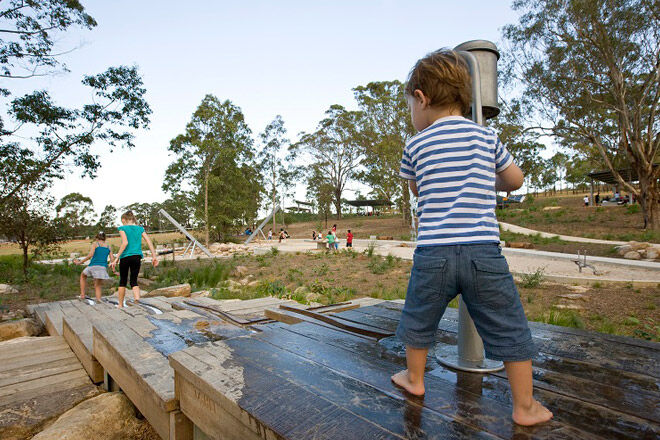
x,y
335,148
589,74
214,162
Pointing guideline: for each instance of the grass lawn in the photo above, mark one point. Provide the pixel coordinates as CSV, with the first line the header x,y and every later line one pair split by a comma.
x,y
329,278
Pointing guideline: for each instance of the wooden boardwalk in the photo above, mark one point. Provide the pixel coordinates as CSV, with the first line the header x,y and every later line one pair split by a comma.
x,y
39,378
314,381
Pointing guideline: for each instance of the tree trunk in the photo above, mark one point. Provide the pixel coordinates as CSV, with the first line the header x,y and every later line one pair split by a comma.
x,y
337,202
206,207
273,198
25,261
405,202
648,200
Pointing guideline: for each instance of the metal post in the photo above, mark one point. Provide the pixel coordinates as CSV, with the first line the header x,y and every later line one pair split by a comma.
x,y
184,232
249,239
468,355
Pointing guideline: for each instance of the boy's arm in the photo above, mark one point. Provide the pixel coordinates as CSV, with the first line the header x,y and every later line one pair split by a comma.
x,y
154,260
509,179
413,187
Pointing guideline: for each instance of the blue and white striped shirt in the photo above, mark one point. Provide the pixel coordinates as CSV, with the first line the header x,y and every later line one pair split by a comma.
x,y
454,162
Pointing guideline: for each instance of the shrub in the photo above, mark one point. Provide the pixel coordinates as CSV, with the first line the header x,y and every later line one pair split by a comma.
x,y
371,247
632,209
564,318
532,280
274,251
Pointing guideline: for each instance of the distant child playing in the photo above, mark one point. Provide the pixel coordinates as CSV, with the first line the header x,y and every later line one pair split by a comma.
x,y
331,241
129,255
349,239
97,268
455,166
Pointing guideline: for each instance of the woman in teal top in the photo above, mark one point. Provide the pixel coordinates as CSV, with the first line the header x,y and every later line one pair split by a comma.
x,y
130,255
97,269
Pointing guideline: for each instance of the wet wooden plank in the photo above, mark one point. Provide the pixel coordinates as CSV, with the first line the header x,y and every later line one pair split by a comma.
x,y
280,405
589,349
585,416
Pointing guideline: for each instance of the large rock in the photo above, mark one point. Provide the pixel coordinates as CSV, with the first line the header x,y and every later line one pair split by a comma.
x,y
623,249
110,416
177,290
6,289
241,271
519,245
635,246
632,255
19,328
652,253
201,293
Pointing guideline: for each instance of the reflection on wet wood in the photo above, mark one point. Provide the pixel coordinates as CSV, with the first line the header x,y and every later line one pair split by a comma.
x,y
312,380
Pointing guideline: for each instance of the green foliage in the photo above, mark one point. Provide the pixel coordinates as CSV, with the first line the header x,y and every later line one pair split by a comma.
x,y
331,294
321,270
632,209
534,279
379,265
205,276
274,251
371,248
215,157
564,318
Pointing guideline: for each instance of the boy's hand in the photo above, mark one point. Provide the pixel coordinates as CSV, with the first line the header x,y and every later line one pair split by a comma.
x,y
114,263
154,261
76,261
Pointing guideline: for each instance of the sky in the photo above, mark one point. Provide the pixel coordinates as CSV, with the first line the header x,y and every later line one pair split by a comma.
x,y
292,58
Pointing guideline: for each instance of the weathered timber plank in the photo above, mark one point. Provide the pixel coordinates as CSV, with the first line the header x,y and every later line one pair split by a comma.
x,y
586,416
454,403
139,371
77,331
255,397
20,375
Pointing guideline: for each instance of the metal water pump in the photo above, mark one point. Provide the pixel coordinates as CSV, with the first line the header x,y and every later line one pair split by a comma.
x,y
481,57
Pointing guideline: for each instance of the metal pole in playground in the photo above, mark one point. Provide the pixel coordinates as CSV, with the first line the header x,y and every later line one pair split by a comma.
x,y
481,57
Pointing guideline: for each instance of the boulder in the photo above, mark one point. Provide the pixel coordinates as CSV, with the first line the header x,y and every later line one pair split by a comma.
x,y
241,271
254,283
232,285
632,255
652,253
635,246
551,208
385,237
568,307
574,296
145,281
6,289
313,297
19,328
623,249
176,290
109,416
200,293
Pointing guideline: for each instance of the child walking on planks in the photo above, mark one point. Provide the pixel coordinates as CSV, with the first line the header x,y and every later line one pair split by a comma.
x,y
129,255
97,268
454,166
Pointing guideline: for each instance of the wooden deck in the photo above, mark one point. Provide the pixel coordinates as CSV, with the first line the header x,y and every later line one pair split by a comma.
x,y
39,378
314,381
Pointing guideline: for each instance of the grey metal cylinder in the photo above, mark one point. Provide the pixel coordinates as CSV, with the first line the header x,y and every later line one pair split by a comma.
x,y
487,55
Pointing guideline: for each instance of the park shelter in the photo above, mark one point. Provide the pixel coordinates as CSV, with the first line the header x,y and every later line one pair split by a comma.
x,y
373,203
607,177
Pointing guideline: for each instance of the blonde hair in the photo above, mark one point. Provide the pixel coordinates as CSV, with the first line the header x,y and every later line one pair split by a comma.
x,y
444,78
128,216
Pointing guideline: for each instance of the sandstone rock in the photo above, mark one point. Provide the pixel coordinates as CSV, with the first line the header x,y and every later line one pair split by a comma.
x,y
578,289
623,249
6,289
574,296
254,283
145,281
632,255
19,328
177,290
568,307
519,245
637,245
200,293
385,237
652,253
302,290
313,297
241,271
108,416
233,285
551,208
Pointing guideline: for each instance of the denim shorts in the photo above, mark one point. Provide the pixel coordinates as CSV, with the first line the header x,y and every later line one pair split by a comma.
x,y
480,273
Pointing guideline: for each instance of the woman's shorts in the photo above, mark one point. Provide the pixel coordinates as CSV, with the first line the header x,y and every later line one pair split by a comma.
x,y
96,272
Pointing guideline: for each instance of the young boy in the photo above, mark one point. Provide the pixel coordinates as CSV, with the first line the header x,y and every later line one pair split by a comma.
x,y
455,166
349,239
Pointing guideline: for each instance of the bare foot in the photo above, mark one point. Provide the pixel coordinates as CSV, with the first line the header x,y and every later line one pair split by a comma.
x,y
532,415
402,380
